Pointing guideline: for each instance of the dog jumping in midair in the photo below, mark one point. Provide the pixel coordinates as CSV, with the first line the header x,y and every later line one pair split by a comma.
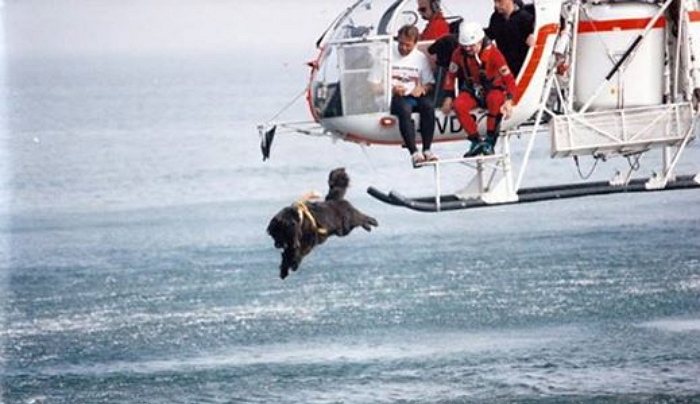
x,y
300,227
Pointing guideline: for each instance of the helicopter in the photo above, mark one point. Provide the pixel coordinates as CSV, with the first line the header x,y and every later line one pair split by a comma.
x,y
603,79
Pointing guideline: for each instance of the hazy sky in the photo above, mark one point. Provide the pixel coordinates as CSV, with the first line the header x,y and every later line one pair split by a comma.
x,y
162,26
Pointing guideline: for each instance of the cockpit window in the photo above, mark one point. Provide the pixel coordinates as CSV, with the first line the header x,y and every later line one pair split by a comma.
x,y
368,18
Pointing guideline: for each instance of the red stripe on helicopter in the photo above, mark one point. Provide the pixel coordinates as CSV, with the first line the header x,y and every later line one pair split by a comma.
x,y
618,25
694,16
542,34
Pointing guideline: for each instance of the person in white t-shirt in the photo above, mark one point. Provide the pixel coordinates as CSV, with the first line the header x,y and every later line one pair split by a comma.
x,y
412,81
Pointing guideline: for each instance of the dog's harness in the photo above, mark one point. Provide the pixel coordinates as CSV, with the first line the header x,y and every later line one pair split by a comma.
x,y
304,211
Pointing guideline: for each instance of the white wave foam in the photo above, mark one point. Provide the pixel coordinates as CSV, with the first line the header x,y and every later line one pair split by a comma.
x,y
382,348
692,284
674,325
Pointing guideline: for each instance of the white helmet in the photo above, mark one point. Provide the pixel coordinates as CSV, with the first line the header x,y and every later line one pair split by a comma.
x,y
470,33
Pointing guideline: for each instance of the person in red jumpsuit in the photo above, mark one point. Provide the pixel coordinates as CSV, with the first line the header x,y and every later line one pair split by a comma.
x,y
485,81
437,26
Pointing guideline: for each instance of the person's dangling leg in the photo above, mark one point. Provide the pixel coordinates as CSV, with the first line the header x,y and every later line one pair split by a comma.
x,y
426,109
402,109
463,106
494,101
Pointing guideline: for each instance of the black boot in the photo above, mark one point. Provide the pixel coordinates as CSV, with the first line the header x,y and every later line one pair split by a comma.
x,y
474,147
490,142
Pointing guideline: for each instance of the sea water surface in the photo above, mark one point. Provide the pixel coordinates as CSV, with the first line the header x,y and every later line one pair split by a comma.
x,y
137,268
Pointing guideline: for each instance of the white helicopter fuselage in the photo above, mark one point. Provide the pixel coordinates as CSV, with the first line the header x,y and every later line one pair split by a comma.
x,y
346,105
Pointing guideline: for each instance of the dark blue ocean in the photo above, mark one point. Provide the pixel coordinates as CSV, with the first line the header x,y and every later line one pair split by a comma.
x,y
136,268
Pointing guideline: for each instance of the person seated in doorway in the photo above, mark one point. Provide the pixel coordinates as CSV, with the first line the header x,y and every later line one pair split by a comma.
x,y
412,82
512,28
485,81
437,26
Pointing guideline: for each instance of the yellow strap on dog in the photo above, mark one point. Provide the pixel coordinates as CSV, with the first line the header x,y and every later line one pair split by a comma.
x,y
305,212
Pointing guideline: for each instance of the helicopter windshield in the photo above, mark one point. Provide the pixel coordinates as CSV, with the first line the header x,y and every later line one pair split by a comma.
x,y
365,19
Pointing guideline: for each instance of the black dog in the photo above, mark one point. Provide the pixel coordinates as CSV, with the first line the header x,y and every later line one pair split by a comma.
x,y
303,225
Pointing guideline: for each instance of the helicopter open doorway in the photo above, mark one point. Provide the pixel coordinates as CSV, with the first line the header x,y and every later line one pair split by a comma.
x,y
344,101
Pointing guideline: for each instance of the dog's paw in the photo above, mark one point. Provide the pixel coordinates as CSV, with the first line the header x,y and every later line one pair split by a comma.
x,y
367,225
